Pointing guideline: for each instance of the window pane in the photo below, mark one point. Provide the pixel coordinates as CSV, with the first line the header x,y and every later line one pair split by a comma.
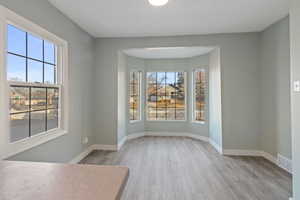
x,y
50,75
38,98
171,114
19,99
199,95
35,47
16,68
19,126
134,95
180,114
151,77
49,52
52,98
16,40
161,114
52,119
38,122
161,102
35,71
151,115
165,97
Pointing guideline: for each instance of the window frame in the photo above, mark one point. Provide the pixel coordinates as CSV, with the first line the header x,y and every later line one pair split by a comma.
x,y
7,148
194,96
185,95
140,96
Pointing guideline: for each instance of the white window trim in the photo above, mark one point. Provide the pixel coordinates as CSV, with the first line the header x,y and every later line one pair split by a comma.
x,y
185,97
140,97
193,89
8,149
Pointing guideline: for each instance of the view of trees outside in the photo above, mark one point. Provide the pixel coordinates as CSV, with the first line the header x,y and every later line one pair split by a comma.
x,y
166,95
134,95
33,110
30,59
200,87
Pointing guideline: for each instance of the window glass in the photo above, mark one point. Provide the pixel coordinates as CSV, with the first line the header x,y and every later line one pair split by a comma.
x,y
38,98
49,52
165,96
50,74
19,99
52,98
52,119
16,40
134,96
35,47
199,95
30,58
37,122
35,71
16,68
19,126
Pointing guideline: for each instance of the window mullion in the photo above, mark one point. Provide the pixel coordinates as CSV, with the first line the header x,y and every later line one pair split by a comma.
x,y
26,59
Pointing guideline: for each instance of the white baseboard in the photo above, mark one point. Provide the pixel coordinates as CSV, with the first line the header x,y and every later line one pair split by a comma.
x,y
105,147
269,157
82,155
135,135
122,142
91,148
216,146
281,161
285,163
177,134
234,152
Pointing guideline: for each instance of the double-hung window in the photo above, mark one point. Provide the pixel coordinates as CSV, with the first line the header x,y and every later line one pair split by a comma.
x,y
35,70
166,96
135,96
199,95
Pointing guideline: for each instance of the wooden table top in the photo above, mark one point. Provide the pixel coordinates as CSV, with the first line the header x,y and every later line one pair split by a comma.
x,y
50,181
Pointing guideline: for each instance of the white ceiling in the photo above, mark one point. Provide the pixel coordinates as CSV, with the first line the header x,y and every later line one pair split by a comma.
x,y
168,52
137,18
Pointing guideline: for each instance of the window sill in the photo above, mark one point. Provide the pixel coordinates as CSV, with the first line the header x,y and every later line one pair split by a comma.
x,y
135,121
198,122
166,121
34,141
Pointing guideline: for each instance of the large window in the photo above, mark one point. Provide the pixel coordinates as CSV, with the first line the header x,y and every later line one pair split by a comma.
x,y
135,96
33,84
199,95
34,94
166,96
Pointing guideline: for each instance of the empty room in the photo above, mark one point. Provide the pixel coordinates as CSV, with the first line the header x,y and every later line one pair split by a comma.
x,y
149,100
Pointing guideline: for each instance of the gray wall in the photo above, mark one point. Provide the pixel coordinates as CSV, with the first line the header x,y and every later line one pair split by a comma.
x,y
81,64
240,83
215,98
275,90
295,68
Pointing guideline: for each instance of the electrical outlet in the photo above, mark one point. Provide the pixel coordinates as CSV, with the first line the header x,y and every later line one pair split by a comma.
x,y
296,86
85,140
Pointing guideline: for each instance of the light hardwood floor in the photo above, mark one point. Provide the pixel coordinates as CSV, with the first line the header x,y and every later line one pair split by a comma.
x,y
178,168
